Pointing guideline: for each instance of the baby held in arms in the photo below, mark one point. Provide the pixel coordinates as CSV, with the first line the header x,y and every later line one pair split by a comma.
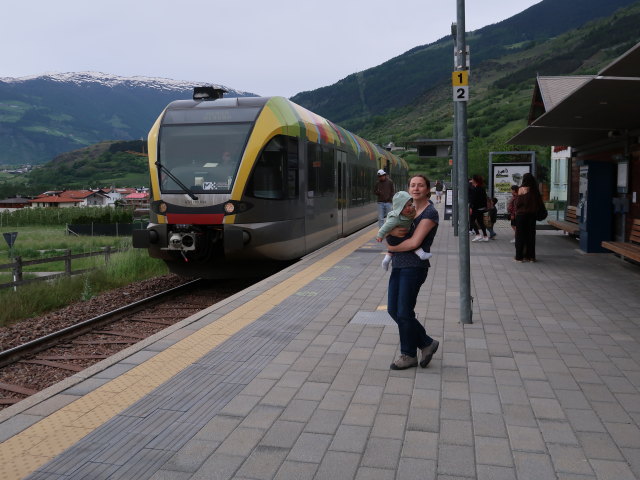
x,y
401,215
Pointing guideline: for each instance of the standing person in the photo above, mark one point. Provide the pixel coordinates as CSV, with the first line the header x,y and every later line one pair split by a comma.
x,y
491,217
478,205
408,273
384,191
527,204
402,215
439,188
511,210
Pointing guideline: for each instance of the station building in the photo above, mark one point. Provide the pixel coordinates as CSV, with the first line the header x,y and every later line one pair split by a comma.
x,y
597,116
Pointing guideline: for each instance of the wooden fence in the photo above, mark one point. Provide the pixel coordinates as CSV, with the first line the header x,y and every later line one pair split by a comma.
x,y
18,264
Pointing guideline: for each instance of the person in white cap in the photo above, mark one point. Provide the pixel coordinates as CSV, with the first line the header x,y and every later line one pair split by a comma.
x,y
384,191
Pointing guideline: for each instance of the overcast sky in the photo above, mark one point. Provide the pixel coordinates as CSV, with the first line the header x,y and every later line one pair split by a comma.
x,y
267,47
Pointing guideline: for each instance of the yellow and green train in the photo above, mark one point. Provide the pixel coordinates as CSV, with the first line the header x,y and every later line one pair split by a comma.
x,y
241,184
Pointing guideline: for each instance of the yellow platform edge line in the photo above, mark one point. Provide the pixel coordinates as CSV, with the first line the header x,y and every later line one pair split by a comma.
x,y
25,452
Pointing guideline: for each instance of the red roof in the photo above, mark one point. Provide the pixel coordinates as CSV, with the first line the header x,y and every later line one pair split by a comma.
x,y
137,196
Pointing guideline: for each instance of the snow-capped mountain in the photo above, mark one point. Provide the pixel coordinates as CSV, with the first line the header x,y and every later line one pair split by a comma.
x,y
45,115
108,80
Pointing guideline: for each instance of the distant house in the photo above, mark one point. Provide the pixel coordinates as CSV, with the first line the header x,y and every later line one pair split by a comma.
x,y
11,204
137,200
116,194
71,198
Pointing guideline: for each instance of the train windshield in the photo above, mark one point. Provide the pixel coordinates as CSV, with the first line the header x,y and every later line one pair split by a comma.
x,y
204,158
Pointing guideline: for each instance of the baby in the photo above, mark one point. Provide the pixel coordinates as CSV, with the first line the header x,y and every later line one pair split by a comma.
x,y
401,215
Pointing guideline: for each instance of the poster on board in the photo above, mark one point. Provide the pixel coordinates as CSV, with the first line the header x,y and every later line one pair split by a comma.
x,y
504,175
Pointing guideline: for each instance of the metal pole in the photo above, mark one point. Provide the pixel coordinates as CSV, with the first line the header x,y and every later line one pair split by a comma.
x,y
454,149
463,186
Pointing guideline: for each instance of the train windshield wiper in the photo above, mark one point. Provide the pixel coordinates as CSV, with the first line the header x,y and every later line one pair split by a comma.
x,y
176,179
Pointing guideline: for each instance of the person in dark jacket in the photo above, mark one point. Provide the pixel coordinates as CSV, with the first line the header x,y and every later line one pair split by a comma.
x,y
477,207
527,204
384,191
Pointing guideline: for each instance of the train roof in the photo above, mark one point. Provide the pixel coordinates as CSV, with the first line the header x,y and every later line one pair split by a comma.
x,y
292,119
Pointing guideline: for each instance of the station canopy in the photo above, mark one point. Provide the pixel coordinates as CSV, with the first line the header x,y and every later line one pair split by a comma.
x,y
578,110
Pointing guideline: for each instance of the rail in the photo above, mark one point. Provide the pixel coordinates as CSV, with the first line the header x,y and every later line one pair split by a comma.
x,y
35,346
18,265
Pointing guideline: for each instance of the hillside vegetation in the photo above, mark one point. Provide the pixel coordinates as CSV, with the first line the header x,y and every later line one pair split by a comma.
x,y
501,90
118,164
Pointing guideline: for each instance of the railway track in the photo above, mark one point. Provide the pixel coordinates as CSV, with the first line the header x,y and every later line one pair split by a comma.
x,y
35,365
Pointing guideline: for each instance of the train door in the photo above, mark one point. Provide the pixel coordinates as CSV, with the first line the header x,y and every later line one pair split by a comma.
x,y
342,193
320,219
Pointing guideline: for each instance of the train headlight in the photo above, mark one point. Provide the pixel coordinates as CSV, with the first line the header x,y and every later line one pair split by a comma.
x,y
229,208
158,207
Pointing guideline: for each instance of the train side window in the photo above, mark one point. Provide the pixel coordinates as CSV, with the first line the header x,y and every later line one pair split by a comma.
x,y
275,174
292,168
321,165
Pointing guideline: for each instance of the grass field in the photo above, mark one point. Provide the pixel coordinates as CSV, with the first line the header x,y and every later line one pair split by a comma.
x,y
37,298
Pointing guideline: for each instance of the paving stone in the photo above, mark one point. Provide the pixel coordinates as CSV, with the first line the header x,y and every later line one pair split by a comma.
x,y
262,416
610,470
368,473
350,438
584,420
223,465
296,471
558,432
456,460
399,404
310,447
526,438
241,441
420,445
569,459
533,466
389,426
424,420
336,400
547,408
599,446
492,472
625,435
493,451
336,465
324,421
382,453
489,425
263,463
456,432
415,468
282,434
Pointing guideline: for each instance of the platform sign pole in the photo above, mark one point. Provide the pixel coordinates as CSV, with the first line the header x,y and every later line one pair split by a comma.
x,y
460,84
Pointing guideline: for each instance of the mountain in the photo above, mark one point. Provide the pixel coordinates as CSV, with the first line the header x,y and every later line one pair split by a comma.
x,y
43,116
403,79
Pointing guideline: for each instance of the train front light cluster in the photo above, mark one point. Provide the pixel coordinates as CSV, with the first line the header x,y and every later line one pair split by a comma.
x,y
182,241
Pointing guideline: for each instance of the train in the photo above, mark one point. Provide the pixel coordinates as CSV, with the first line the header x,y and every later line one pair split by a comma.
x,y
241,186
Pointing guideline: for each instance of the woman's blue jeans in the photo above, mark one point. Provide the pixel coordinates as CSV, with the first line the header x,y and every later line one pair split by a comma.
x,y
404,285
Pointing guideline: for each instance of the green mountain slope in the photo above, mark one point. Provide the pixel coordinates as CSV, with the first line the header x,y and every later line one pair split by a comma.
x,y
501,89
401,80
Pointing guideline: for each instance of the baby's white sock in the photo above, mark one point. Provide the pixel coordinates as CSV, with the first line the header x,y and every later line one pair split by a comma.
x,y
422,254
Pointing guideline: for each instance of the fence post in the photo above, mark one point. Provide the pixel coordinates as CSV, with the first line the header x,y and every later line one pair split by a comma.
x,y
17,271
67,262
107,253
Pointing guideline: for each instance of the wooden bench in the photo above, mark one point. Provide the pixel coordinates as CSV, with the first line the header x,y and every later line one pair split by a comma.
x,y
571,224
630,249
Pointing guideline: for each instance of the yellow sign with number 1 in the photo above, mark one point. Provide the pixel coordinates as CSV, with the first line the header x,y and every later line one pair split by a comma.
x,y
460,82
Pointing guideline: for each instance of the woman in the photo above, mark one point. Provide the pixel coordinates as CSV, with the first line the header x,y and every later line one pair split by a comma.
x,y
477,206
407,276
527,204
511,210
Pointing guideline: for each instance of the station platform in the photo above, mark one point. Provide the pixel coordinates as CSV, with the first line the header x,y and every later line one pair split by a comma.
x,y
290,379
